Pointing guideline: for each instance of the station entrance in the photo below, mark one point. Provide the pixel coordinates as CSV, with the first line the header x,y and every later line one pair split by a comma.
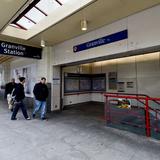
x,y
85,86
83,90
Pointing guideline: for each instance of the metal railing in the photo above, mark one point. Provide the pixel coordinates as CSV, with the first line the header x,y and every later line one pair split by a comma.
x,y
150,118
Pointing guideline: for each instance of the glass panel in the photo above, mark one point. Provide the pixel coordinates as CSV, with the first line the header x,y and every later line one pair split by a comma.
x,y
24,22
71,84
65,1
98,84
35,15
47,6
85,84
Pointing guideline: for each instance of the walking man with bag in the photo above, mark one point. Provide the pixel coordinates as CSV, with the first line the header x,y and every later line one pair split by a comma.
x,y
19,97
9,87
41,93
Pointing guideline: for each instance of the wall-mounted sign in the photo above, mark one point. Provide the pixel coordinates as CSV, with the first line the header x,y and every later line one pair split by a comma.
x,y
121,87
130,84
13,49
112,80
56,81
102,41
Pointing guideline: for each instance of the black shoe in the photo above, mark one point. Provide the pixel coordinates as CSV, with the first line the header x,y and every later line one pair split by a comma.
x,y
33,115
13,118
43,118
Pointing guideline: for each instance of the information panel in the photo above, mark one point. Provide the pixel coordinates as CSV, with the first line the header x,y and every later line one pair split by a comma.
x,y
71,84
99,84
112,80
84,82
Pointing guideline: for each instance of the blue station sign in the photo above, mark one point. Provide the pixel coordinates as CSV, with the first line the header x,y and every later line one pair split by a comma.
x,y
102,41
13,49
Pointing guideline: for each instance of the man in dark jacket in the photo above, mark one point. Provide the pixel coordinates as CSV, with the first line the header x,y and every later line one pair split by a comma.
x,y
19,96
9,87
41,93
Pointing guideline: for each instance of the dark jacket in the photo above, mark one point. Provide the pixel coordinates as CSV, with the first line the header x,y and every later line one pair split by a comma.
x,y
9,87
40,91
19,92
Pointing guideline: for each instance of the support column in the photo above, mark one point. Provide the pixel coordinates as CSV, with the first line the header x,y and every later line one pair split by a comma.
x,y
56,88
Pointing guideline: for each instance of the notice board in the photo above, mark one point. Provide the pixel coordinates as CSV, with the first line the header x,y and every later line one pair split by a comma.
x,y
84,82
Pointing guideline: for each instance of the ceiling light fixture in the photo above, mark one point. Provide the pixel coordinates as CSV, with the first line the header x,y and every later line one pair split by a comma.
x,y
43,44
83,25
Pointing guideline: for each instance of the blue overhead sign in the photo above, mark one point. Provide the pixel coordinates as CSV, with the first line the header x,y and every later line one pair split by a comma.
x,y
102,41
13,49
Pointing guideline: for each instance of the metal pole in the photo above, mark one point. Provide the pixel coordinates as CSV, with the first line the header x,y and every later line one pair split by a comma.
x,y
148,129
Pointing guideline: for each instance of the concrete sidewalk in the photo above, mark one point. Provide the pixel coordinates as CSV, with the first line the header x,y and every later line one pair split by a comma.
x,y
70,135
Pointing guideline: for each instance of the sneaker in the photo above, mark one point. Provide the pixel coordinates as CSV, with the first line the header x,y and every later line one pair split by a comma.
x,y
28,118
33,115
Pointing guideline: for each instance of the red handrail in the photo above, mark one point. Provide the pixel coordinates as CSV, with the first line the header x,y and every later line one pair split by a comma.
x,y
145,95
125,96
140,98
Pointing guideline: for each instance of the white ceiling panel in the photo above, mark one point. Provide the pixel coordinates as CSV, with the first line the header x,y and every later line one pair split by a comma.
x,y
48,6
35,15
26,23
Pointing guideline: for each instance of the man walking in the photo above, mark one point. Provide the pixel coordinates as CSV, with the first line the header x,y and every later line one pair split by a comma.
x,y
41,93
19,97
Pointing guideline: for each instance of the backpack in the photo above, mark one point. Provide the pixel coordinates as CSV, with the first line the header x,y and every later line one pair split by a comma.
x,y
11,100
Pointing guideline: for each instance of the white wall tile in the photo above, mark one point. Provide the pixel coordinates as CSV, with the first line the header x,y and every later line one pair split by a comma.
x,y
144,29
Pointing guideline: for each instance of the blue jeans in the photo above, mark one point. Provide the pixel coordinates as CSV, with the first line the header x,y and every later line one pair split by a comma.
x,y
40,105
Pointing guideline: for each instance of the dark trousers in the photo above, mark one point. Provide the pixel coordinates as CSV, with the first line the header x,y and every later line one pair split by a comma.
x,y
23,108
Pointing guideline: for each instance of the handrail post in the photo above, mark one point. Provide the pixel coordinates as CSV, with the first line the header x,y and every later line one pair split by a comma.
x,y
156,121
107,110
148,129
